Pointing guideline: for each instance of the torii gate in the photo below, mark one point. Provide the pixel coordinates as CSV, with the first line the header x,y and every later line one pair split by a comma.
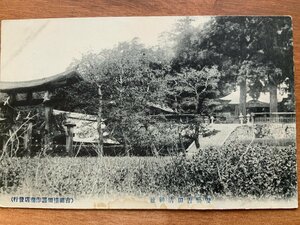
x,y
46,85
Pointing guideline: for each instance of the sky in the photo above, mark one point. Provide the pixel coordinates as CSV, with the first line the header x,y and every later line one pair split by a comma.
x,y
38,48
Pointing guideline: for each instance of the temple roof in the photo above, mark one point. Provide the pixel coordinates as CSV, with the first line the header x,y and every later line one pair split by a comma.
x,y
264,98
58,80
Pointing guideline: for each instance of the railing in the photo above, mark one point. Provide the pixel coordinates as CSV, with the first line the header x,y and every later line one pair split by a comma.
x,y
249,118
256,118
279,117
275,120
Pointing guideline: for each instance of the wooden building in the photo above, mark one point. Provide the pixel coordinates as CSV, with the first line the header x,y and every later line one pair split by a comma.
x,y
231,104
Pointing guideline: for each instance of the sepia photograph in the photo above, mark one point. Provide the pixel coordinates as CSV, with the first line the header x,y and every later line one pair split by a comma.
x,y
169,112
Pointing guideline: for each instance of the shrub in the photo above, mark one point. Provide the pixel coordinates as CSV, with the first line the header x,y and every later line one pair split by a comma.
x,y
10,175
232,171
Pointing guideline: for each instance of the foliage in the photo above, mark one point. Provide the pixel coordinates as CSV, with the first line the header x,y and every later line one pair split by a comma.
x,y
130,77
261,171
14,130
193,90
10,176
207,63
161,138
242,134
256,49
81,97
275,131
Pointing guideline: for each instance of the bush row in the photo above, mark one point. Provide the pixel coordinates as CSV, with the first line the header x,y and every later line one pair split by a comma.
x,y
233,171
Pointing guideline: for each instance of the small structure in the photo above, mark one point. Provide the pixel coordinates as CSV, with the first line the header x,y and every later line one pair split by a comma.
x,y
82,130
28,93
156,109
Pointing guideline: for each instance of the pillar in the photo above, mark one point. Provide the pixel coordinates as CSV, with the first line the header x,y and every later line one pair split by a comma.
x,y
99,123
3,136
48,115
69,138
28,138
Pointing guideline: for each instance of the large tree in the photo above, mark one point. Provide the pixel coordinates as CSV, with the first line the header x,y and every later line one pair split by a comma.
x,y
238,46
273,58
193,80
262,48
193,91
129,77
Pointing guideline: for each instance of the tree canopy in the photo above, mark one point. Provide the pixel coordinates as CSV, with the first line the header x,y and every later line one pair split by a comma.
x,y
204,64
256,50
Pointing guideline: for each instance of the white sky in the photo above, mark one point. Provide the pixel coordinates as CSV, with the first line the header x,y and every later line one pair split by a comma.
x,y
32,49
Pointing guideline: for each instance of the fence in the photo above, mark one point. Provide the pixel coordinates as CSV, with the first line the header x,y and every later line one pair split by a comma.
x,y
279,117
256,118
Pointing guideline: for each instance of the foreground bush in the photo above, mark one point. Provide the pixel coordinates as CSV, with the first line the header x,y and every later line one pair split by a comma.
x,y
233,171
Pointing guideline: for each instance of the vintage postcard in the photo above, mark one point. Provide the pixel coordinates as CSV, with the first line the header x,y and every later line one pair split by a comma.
x,y
148,113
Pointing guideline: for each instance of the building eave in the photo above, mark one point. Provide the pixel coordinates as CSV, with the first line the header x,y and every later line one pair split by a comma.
x,y
43,84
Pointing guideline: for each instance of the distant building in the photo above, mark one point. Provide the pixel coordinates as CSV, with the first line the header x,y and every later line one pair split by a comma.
x,y
231,102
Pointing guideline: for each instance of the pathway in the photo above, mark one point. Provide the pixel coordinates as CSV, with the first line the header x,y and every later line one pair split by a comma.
x,y
222,133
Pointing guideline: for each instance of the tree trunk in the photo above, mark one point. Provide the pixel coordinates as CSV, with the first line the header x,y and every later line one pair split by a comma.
x,y
154,150
273,99
126,146
180,142
99,123
196,137
197,124
243,97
